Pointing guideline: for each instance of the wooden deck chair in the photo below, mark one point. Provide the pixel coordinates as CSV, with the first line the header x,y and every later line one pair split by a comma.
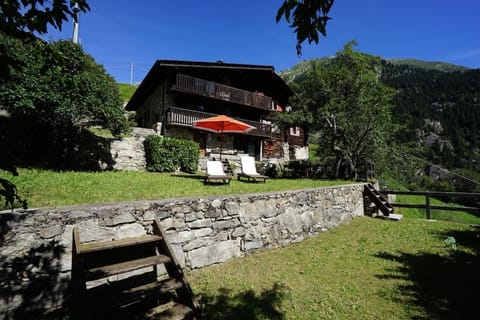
x,y
215,173
249,170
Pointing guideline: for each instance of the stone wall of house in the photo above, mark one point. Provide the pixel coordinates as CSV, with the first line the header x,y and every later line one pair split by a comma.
x,y
35,245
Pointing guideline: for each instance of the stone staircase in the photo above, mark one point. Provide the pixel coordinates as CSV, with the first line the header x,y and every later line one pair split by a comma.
x,y
132,278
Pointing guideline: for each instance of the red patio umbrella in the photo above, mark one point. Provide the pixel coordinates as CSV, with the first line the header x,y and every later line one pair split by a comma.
x,y
222,124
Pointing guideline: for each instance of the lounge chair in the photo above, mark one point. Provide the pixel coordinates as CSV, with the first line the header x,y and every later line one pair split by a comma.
x,y
215,173
249,170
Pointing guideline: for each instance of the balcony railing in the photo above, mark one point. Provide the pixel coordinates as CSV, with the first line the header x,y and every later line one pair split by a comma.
x,y
186,117
219,91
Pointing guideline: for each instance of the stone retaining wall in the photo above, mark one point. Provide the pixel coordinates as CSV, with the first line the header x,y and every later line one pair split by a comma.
x,y
35,245
129,153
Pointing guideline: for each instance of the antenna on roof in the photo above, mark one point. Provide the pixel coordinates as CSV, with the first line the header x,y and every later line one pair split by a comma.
x,y
76,22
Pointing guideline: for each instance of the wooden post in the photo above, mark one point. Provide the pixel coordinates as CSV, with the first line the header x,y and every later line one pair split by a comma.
x,y
427,205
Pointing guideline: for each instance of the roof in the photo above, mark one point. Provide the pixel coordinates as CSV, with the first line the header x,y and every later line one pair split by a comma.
x,y
258,77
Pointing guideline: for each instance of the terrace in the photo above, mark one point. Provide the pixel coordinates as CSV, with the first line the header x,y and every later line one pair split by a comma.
x,y
186,118
202,87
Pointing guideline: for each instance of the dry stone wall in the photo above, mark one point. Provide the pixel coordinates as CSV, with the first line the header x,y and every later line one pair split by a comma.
x,y
129,153
35,245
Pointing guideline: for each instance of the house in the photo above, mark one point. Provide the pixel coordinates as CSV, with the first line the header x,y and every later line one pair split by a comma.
x,y
174,94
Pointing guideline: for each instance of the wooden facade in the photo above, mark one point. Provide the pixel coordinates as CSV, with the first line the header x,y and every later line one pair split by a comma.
x,y
174,94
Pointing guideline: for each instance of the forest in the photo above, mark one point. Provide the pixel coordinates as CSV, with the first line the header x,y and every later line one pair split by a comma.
x,y
451,99
435,121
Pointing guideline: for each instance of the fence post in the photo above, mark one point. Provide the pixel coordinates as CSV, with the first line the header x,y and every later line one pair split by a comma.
x,y
427,205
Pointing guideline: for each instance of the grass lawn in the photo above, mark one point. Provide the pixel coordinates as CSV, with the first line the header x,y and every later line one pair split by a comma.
x,y
55,188
367,269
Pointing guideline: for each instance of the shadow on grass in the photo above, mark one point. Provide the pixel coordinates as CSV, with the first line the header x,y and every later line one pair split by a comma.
x,y
246,305
443,286
193,176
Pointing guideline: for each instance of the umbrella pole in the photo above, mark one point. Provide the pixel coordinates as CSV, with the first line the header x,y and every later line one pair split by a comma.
x,y
221,145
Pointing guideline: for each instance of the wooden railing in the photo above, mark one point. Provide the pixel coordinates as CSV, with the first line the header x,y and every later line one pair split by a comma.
x,y
186,117
215,90
428,207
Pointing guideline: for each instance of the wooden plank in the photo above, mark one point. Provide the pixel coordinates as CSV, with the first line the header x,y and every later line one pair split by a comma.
x,y
434,193
408,205
185,294
433,207
251,177
108,245
112,297
377,199
132,265
161,286
76,241
448,208
174,311
409,193
224,179
428,211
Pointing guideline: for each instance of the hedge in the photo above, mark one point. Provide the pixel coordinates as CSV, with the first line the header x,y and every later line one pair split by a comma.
x,y
165,154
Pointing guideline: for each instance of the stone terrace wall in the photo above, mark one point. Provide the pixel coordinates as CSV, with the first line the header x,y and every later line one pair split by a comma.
x,y
35,245
129,153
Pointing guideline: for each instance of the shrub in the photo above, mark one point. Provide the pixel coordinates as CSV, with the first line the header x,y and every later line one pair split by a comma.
x,y
299,169
169,154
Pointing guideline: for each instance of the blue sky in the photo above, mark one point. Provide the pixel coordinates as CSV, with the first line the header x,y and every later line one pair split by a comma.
x,y
118,32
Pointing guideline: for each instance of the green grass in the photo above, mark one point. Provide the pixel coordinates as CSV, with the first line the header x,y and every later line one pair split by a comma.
x,y
101,132
126,91
55,188
454,216
367,269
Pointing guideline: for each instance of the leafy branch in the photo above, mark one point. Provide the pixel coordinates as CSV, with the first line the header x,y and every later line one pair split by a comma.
x,y
308,18
9,192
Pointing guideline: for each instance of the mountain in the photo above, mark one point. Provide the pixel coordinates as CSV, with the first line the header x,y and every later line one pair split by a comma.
x,y
299,69
428,97
291,75
437,107
428,65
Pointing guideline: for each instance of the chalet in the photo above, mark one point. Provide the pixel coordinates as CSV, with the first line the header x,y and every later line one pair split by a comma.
x,y
174,94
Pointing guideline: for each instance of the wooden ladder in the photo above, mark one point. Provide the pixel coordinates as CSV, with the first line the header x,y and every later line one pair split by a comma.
x,y
122,279
380,202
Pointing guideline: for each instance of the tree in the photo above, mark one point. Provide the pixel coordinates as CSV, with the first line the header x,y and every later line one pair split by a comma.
x,y
24,18
21,20
59,89
308,18
348,109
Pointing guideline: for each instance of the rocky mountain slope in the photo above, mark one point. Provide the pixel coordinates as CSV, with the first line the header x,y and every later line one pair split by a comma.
x,y
437,107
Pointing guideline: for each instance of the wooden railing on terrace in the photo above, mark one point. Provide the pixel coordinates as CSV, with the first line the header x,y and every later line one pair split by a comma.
x,y
186,117
219,91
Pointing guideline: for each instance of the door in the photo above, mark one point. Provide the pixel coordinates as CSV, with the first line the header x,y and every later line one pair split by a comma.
x,y
200,138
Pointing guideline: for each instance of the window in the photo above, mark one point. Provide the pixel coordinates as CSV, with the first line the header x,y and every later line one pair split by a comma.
x,y
295,131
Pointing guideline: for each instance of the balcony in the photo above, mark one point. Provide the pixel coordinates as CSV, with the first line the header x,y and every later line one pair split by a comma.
x,y
218,91
186,117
